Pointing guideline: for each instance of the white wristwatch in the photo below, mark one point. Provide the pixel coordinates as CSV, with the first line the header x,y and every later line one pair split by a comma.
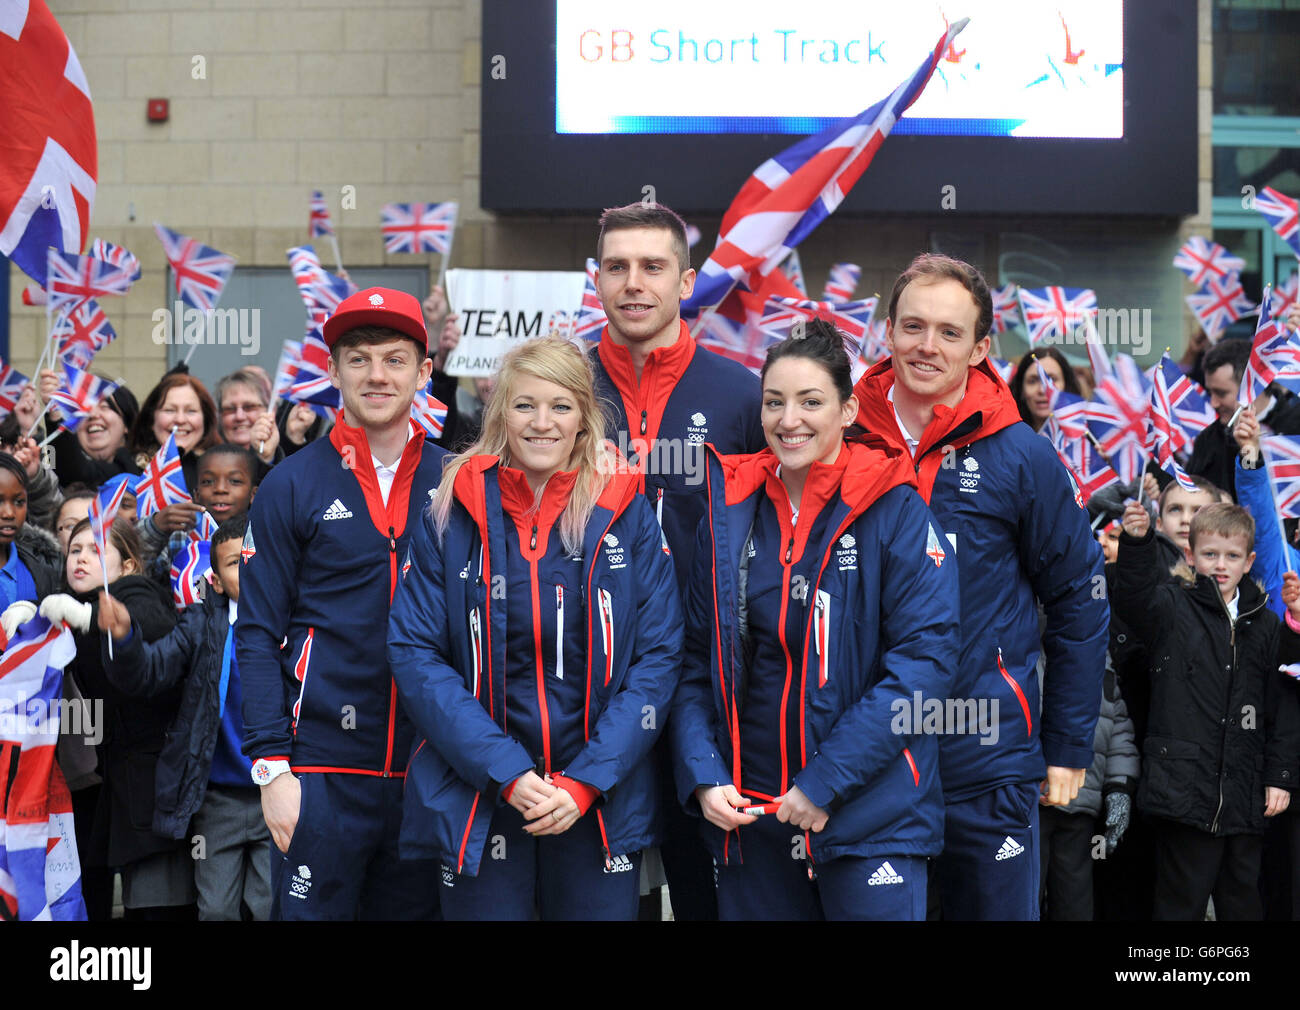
x,y
265,772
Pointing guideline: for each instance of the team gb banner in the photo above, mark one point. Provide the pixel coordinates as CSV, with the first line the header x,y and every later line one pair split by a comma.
x,y
499,309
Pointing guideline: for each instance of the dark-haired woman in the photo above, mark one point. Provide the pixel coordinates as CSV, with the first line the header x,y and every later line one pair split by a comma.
x,y
1029,391
97,448
821,618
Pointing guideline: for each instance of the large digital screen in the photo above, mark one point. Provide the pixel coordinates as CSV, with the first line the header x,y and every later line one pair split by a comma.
x,y
1020,68
1039,107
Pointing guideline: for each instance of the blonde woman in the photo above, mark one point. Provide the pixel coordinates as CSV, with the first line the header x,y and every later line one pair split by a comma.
x,y
535,639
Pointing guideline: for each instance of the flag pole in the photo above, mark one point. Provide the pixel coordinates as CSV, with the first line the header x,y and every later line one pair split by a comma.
x,y
338,260
442,265
207,328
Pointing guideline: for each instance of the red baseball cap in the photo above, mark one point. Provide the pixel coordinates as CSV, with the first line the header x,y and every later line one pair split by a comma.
x,y
378,307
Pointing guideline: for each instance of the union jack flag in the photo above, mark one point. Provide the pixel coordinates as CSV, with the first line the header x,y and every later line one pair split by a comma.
x,y
1120,418
1070,411
793,269
103,510
1166,436
1054,312
1282,213
1219,303
429,413
735,340
205,527
418,227
191,565
1006,308
311,382
1284,296
850,318
842,282
12,384
792,193
591,317
78,394
50,165
163,482
200,271
874,347
72,279
1282,457
1200,259
1086,464
40,872
1192,412
320,223
82,332
117,255
320,290
1006,369
1273,352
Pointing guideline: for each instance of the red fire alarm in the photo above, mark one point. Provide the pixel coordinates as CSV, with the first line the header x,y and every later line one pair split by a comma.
x,y
158,110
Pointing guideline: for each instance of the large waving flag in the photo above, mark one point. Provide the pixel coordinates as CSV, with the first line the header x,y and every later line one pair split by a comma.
x,y
418,227
50,164
78,394
1283,214
40,872
1053,313
1200,259
82,332
591,318
1219,303
201,272
842,282
163,481
73,279
792,193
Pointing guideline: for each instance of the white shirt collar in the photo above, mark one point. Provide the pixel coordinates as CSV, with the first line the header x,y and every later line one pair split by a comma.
x,y
234,610
912,443
1232,605
387,474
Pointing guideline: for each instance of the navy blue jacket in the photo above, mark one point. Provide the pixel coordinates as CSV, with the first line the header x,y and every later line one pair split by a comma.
x,y
687,395
447,648
1011,511
188,656
320,565
880,629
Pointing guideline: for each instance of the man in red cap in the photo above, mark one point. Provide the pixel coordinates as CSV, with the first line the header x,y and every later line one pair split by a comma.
x,y
322,724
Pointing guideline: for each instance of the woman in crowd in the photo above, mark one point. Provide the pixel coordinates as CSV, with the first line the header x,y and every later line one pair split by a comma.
x,y
535,638
820,614
244,400
1027,388
97,448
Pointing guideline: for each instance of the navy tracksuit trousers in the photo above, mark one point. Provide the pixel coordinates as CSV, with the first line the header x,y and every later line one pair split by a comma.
x,y
342,861
989,869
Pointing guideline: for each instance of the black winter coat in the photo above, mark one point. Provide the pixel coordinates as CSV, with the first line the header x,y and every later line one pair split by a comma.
x,y
187,658
39,551
133,730
1223,722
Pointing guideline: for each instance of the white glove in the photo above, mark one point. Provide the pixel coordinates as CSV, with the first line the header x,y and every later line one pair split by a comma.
x,y
17,614
62,608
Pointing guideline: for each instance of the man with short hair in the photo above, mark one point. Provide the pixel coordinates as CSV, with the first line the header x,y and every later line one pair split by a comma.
x,y
322,723
1214,452
669,396
1015,522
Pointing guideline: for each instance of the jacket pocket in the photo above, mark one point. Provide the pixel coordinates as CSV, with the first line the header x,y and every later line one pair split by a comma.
x,y
1169,776
1020,695
605,612
476,648
300,669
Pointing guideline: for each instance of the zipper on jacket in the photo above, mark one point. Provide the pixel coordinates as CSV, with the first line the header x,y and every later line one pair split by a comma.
x,y
789,664
532,544
645,417
822,636
392,684
789,549
659,508
476,640
559,632
541,669
605,604
1223,730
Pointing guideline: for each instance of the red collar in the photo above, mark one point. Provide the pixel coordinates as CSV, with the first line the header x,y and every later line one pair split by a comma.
x,y
353,445
529,514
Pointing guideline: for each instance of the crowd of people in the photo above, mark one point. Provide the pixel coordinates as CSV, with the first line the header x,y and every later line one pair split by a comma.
x,y
875,658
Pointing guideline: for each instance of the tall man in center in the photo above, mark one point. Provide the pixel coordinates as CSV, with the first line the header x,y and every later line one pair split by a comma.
x,y
1016,523
668,396
322,722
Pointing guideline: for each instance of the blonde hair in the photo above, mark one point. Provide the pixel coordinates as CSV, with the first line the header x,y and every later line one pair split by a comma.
x,y
559,361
